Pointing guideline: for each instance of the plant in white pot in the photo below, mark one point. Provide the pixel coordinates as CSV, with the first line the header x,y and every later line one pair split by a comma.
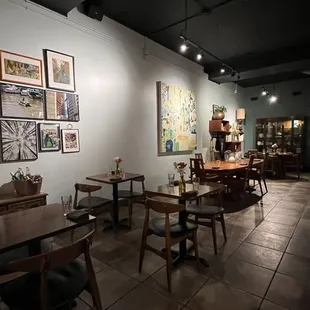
x,y
219,112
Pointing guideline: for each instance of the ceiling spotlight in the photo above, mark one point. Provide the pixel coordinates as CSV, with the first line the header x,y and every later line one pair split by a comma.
x,y
183,48
273,99
222,70
199,56
264,92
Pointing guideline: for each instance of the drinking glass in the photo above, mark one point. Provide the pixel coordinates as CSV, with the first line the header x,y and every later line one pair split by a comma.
x,y
218,163
66,203
171,179
196,182
123,174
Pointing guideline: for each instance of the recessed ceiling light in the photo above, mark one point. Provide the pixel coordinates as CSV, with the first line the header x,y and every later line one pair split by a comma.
x,y
222,70
183,48
199,56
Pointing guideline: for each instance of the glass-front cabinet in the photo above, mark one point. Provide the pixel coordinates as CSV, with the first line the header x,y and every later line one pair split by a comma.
x,y
287,132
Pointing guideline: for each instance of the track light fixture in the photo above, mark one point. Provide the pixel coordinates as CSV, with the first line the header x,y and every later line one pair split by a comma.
x,y
273,98
199,56
264,92
222,70
183,47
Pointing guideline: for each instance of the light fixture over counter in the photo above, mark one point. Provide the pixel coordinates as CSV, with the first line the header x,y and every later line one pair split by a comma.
x,y
240,114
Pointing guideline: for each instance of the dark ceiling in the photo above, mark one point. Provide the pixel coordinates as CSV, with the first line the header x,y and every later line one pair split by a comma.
x,y
265,41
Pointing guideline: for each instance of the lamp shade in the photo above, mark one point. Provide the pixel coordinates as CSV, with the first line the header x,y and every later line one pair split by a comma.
x,y
240,114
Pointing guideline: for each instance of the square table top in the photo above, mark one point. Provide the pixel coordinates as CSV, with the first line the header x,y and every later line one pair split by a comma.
x,y
173,191
19,228
108,178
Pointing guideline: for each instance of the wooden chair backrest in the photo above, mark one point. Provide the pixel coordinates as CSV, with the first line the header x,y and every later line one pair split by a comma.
x,y
84,188
163,207
252,151
42,263
198,155
265,164
188,196
198,168
249,167
139,179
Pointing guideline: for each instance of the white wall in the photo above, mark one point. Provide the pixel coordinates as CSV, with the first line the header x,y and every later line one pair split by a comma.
x,y
117,89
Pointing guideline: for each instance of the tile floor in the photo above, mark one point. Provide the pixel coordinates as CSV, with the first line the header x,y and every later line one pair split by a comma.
x,y
265,264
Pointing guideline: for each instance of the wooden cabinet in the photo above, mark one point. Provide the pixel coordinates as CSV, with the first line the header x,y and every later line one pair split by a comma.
x,y
9,204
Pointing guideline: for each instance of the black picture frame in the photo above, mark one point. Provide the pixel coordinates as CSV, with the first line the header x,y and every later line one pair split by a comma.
x,y
26,97
63,145
43,149
47,66
16,153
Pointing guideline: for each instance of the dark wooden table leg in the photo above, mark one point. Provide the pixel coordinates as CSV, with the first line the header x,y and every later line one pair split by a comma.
x,y
115,205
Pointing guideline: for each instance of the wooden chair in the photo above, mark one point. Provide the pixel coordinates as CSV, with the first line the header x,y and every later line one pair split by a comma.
x,y
199,156
52,280
197,169
207,215
252,152
294,164
259,174
131,196
168,228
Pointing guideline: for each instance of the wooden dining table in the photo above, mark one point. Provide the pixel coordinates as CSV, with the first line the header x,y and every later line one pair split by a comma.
x,y
107,178
174,193
33,225
224,168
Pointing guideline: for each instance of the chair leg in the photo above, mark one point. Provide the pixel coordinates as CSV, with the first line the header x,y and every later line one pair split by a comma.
x,y
264,180
142,249
169,266
129,213
260,186
214,234
222,219
195,241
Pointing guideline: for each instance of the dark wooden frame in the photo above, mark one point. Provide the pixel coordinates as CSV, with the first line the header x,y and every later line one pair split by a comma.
x,y
26,57
159,126
21,117
57,119
45,52
62,141
40,137
25,160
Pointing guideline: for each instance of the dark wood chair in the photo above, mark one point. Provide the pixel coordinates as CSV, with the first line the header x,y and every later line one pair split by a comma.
x,y
52,280
206,215
293,164
166,227
131,196
199,156
259,174
197,169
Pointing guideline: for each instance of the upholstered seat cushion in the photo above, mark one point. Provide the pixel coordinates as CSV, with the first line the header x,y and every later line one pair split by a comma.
x,y
203,209
64,285
128,194
95,202
157,226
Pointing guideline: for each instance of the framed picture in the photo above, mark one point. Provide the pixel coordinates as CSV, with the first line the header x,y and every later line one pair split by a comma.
x,y
60,106
70,140
21,69
49,137
177,120
21,101
59,70
18,140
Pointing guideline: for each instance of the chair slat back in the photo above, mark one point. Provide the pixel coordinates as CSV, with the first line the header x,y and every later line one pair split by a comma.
x,y
87,188
54,259
188,196
163,207
198,168
198,155
140,180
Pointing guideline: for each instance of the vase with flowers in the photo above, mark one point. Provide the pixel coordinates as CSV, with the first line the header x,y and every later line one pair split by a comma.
x,y
274,147
117,160
180,167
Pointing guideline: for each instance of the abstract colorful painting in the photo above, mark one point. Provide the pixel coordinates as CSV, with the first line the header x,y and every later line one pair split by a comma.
x,y
18,141
177,120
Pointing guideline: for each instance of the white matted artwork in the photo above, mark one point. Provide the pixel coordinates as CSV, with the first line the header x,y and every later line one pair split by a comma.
x,y
59,69
70,140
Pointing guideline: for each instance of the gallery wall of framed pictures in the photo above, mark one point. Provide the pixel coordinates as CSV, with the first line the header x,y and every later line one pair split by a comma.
x,y
23,100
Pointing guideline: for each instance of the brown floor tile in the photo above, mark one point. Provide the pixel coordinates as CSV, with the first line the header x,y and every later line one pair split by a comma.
x,y
288,212
268,240
185,283
282,219
303,230
145,298
258,255
299,247
113,285
267,305
235,232
306,213
220,296
97,264
295,267
289,293
274,228
286,204
244,221
129,265
133,237
249,277
111,250
81,305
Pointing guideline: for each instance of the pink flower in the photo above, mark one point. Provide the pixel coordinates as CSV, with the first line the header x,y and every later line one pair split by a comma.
x,y
118,160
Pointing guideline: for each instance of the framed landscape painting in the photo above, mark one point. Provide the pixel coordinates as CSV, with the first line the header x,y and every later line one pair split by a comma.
x,y
70,140
59,69
49,137
177,120
18,141
21,101
20,69
60,106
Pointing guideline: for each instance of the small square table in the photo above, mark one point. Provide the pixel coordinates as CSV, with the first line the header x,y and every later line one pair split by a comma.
x,y
173,192
107,178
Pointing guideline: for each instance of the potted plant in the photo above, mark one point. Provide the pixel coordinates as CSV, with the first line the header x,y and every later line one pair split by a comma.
x,y
219,112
